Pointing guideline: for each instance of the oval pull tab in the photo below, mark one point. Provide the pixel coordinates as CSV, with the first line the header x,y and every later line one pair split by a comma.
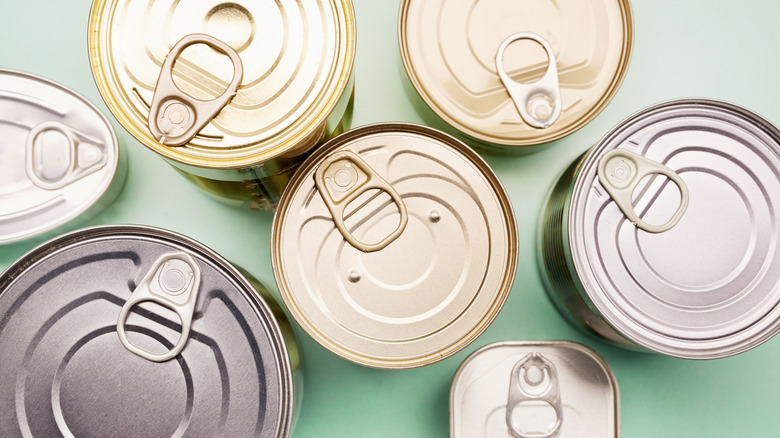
x,y
174,117
344,176
172,282
539,103
620,172
58,155
534,395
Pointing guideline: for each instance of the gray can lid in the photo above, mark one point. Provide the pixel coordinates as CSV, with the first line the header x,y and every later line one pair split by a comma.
x,y
707,287
65,371
59,155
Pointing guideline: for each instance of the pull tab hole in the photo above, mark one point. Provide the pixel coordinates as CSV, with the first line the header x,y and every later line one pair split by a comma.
x,y
656,199
372,216
526,61
202,73
159,319
52,155
535,418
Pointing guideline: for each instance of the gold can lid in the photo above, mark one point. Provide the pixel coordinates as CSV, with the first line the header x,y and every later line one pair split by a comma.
x,y
394,246
296,61
457,52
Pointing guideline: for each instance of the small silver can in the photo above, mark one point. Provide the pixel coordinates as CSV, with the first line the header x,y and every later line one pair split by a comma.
x,y
137,331
665,234
534,390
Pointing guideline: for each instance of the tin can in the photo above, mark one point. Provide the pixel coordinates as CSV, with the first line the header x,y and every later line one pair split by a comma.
x,y
479,67
534,390
663,235
60,163
233,95
394,246
137,331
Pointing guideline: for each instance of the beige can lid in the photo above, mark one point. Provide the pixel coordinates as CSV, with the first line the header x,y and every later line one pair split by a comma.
x,y
450,50
404,254
296,61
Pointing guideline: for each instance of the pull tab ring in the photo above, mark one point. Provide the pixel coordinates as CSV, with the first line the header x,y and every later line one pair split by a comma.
x,y
172,282
534,379
344,176
174,117
539,103
620,172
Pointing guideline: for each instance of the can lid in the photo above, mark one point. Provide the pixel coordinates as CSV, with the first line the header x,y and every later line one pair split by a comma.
x,y
704,285
395,245
59,157
534,390
295,59
67,372
457,57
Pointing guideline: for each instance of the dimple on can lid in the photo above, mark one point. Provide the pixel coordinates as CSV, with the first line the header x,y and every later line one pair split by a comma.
x,y
664,235
137,331
534,390
233,94
60,161
394,246
464,60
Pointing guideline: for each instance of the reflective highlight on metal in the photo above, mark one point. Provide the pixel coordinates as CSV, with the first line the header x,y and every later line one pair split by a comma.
x,y
708,287
60,162
534,390
450,50
66,372
435,287
296,90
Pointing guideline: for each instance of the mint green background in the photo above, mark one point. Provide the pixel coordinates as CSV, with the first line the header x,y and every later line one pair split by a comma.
x,y
691,48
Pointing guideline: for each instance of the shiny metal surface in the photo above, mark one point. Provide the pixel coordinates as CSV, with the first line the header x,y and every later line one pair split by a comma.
x,y
297,83
449,50
66,373
429,292
534,389
707,287
60,162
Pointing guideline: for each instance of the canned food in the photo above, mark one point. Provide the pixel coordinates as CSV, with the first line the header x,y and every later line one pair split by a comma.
x,y
534,390
664,234
233,95
137,331
60,162
394,246
466,61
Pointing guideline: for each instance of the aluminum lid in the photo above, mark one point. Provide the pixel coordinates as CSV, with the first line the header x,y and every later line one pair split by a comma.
x,y
58,158
450,49
534,390
66,372
296,57
424,292
709,286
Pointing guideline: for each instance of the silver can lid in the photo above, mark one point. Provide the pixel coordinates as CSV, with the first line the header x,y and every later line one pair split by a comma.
x,y
67,369
534,390
394,246
59,155
698,276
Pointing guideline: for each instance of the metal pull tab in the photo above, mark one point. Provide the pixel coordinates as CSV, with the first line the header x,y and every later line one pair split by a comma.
x,y
173,282
620,172
534,383
344,176
174,117
539,103
58,155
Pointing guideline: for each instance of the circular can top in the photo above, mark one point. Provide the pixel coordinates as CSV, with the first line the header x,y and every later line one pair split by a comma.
x,y
452,51
67,368
395,245
296,59
705,286
59,156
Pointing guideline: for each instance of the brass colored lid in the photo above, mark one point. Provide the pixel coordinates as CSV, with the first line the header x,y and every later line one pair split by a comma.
x,y
297,61
449,50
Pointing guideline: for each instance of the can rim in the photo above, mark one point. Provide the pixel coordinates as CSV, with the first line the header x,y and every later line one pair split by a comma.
x,y
142,135
432,356
282,358
595,110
